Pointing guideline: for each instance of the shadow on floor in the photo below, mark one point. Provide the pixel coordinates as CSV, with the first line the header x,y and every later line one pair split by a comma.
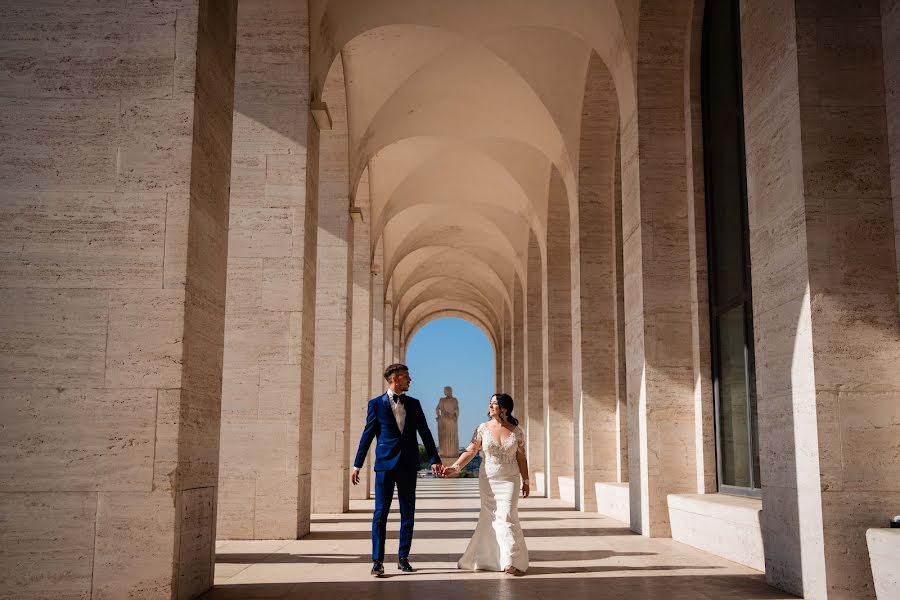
x,y
466,533
535,556
409,587
472,519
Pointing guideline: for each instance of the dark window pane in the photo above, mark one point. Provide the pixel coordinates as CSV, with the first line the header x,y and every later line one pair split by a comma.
x,y
733,427
727,235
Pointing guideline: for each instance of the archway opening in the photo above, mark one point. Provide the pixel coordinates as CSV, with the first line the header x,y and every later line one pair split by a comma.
x,y
452,352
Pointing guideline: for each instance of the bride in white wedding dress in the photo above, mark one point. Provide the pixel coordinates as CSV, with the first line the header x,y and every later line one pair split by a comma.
x,y
498,543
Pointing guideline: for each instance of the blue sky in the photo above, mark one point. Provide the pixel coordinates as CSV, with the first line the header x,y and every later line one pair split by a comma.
x,y
456,353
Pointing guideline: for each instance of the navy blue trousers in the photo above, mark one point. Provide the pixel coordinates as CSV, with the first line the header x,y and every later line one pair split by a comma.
x,y
385,481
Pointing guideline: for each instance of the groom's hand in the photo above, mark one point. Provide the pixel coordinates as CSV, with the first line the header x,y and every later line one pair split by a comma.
x,y
437,469
354,476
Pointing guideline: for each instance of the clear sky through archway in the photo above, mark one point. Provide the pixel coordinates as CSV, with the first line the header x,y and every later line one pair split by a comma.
x,y
452,352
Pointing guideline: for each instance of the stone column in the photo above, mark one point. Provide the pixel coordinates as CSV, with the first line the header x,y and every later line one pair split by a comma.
x,y
593,257
388,335
657,272
534,340
890,33
557,302
377,383
264,462
395,344
827,330
331,404
361,339
506,384
114,174
518,357
621,392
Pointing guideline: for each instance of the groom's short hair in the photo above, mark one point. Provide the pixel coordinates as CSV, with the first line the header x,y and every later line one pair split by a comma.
x,y
394,368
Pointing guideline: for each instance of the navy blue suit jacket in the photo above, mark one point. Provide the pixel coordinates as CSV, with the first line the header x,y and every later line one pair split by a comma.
x,y
395,449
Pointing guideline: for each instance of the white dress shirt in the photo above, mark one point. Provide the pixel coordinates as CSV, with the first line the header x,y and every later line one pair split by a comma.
x,y
398,408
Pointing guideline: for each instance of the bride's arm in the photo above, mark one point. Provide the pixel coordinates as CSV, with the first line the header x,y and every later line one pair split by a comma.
x,y
464,458
523,469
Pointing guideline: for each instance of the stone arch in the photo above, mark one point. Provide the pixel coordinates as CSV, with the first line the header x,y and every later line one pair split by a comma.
x,y
465,315
448,288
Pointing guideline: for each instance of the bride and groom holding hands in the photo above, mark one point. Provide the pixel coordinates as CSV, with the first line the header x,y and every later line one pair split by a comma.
x,y
393,418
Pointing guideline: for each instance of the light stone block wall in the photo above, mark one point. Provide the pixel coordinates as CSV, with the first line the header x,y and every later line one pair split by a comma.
x,y
334,282
884,553
727,526
613,500
266,417
114,174
825,289
593,258
557,304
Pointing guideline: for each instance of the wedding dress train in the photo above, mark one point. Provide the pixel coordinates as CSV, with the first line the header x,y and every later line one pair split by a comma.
x,y
498,541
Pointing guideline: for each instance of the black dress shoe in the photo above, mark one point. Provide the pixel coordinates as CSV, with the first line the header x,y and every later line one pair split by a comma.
x,y
377,568
403,565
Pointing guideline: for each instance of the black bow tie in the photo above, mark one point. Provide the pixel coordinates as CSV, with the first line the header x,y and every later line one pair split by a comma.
x,y
399,398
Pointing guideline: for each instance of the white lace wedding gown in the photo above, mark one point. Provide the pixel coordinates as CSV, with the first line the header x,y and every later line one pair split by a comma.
x,y
498,541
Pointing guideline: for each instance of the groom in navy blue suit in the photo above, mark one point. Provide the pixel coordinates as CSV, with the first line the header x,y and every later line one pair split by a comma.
x,y
394,419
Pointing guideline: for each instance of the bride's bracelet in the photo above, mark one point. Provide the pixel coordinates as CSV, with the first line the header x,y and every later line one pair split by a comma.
x,y
526,482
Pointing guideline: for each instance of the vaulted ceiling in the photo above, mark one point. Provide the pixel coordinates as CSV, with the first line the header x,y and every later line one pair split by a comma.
x,y
457,114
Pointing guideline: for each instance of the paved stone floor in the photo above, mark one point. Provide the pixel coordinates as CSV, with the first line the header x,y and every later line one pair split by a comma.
x,y
573,555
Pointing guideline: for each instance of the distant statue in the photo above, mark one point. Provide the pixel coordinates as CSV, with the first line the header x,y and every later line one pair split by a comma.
x,y
448,434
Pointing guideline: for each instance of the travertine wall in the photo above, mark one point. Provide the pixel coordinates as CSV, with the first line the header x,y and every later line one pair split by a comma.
x,y
593,283
115,167
825,290
267,385
557,303
333,360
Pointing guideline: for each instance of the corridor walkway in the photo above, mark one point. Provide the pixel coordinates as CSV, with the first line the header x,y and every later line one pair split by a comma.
x,y
573,555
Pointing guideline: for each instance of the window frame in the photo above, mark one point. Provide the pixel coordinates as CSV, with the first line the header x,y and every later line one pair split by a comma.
x,y
716,307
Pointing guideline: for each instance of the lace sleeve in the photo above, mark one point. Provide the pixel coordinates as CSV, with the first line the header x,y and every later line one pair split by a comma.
x,y
475,444
520,439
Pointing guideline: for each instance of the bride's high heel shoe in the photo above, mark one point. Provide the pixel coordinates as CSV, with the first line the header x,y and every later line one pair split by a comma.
x,y
511,570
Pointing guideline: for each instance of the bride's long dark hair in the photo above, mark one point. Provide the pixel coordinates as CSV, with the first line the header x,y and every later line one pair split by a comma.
x,y
505,402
